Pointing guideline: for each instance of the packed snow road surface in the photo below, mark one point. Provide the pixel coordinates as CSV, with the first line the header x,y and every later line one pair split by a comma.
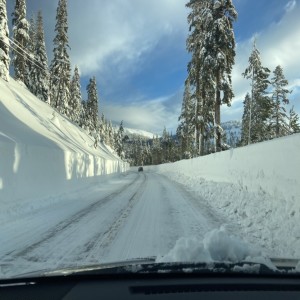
x,y
132,215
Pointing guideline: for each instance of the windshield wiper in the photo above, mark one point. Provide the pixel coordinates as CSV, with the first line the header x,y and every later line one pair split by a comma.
x,y
148,266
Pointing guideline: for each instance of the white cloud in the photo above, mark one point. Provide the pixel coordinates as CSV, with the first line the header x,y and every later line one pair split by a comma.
x,y
290,5
278,44
151,115
121,31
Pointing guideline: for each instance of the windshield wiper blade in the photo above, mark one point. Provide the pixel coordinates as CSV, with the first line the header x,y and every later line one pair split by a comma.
x,y
101,268
148,266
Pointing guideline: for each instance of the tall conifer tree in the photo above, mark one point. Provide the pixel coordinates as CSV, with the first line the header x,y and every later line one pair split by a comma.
x,y
278,122
246,120
212,45
75,97
222,42
260,104
195,45
60,69
185,129
20,41
29,80
92,104
4,42
294,125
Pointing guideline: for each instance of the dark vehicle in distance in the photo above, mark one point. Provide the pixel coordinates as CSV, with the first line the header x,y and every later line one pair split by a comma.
x,y
140,169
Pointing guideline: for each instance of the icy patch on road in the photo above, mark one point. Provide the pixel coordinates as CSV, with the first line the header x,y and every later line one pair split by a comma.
x,y
217,245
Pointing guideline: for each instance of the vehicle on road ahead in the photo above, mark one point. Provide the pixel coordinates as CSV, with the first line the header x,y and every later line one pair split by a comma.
x,y
140,169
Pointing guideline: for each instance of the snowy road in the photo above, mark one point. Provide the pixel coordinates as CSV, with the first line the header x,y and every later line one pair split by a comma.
x,y
135,215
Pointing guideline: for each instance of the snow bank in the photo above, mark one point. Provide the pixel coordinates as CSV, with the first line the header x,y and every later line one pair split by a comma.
x,y
43,153
217,246
256,187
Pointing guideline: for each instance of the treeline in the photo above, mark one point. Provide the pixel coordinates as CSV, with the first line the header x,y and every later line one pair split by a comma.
x,y
53,84
208,85
139,151
211,43
265,116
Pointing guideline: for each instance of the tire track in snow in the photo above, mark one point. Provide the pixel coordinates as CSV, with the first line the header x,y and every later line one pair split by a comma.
x,y
101,241
63,225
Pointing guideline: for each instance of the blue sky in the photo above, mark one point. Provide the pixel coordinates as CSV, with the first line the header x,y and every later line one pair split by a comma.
x,y
136,50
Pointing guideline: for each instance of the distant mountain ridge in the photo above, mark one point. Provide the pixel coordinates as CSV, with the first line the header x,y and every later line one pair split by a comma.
x,y
232,128
233,131
139,132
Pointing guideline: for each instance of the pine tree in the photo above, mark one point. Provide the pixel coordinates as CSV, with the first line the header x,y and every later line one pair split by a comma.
x,y
4,42
278,125
212,45
260,104
185,129
246,120
110,134
92,105
165,141
200,12
20,41
39,72
75,97
29,80
294,125
102,129
119,141
60,69
157,151
222,42
83,117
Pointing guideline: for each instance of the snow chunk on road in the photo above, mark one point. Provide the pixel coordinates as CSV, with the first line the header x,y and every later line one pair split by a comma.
x,y
217,245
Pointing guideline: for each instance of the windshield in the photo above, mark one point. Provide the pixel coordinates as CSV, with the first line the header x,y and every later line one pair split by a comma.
x,y
162,130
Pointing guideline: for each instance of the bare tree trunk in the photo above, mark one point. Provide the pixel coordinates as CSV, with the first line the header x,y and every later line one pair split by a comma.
x,y
218,116
250,109
197,114
201,137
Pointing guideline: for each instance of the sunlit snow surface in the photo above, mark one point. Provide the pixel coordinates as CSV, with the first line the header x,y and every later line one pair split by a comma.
x,y
66,204
42,152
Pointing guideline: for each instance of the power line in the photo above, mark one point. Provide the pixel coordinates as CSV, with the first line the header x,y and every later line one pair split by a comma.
x,y
31,56
27,57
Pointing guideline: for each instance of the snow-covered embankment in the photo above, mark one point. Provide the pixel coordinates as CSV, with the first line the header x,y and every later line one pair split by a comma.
x,y
42,154
257,187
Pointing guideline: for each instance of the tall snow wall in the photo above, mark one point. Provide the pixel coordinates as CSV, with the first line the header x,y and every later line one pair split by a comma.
x,y
43,153
272,166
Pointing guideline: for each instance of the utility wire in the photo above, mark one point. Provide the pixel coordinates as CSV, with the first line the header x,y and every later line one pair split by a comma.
x,y
19,50
29,57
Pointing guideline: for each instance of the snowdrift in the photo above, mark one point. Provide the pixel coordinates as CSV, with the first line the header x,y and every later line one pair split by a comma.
x,y
256,187
272,166
43,153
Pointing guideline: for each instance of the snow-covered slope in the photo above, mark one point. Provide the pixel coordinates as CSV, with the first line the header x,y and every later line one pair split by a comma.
x,y
255,186
233,132
138,132
42,153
